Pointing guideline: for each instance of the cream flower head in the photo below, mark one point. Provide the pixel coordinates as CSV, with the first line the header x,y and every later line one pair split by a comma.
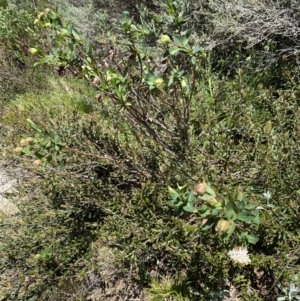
x,y
240,255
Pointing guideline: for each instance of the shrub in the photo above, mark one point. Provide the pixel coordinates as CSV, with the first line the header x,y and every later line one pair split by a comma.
x,y
163,117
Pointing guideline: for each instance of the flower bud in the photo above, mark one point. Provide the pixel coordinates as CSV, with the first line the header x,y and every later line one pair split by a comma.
x,y
183,84
29,140
212,201
18,150
164,40
200,188
33,51
23,142
159,83
37,162
222,226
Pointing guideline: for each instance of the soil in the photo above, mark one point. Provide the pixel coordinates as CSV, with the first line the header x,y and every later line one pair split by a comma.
x,y
7,184
112,287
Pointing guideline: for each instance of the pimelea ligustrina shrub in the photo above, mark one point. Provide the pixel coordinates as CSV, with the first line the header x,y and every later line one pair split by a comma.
x,y
241,135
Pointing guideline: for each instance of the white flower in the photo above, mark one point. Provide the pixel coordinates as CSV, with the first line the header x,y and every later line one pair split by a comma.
x,y
267,195
240,255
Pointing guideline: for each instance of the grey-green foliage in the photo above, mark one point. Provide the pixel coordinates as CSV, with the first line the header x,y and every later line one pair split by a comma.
x,y
255,22
80,13
292,292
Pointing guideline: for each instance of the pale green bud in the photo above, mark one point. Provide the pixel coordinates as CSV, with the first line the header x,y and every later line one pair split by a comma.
x,y
164,40
183,84
37,162
18,150
222,226
159,83
33,51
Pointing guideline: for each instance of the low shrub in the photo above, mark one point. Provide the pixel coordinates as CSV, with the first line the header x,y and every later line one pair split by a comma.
x,y
100,171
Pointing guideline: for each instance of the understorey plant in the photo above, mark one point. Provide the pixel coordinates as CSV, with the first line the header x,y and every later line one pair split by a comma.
x,y
155,88
44,146
231,216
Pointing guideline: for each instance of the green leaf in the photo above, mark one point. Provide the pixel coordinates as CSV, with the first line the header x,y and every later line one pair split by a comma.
x,y
251,238
241,205
88,47
69,26
26,151
181,187
150,78
33,126
47,143
197,49
174,203
57,140
210,191
72,51
209,224
39,155
204,211
76,34
173,193
171,80
244,216
229,210
187,37
125,16
172,51
45,60
215,212
172,7
191,198
188,33
189,207
180,211
177,39
206,197
240,197
133,28
146,30
256,220
251,206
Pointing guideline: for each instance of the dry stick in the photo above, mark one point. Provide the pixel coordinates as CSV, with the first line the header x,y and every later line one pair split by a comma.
x,y
89,154
152,119
138,118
